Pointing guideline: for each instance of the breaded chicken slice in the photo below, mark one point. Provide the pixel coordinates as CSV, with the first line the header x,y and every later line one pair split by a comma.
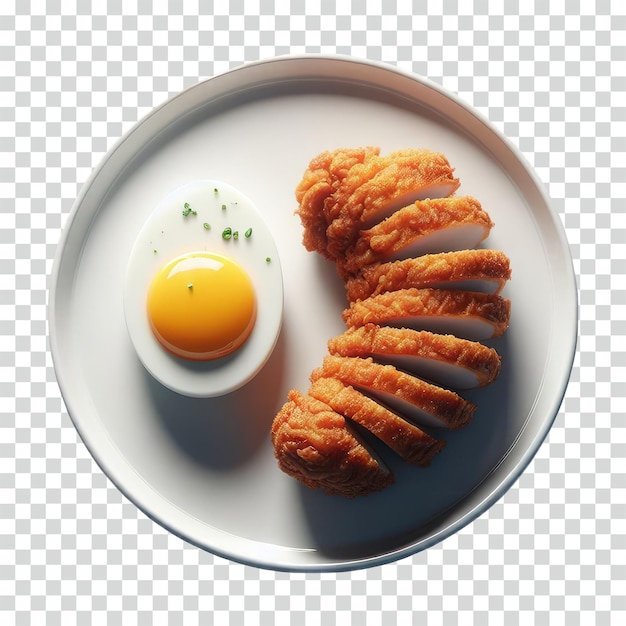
x,y
315,445
423,403
407,440
481,270
443,359
467,314
424,227
376,188
322,177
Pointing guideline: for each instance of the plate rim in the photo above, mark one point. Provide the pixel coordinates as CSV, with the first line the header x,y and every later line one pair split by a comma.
x,y
503,484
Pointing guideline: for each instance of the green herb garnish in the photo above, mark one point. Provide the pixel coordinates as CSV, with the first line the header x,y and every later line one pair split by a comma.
x,y
236,235
223,207
206,226
267,259
227,233
189,285
248,233
187,210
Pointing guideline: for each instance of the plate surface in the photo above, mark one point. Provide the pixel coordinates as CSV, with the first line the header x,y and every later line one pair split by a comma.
x,y
204,468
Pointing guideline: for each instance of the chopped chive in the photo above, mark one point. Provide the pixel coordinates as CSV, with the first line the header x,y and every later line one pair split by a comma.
x,y
248,233
215,190
227,233
187,210
223,207
267,259
189,285
206,226
154,251
236,235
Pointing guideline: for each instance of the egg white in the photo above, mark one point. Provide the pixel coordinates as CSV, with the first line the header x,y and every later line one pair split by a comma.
x,y
211,207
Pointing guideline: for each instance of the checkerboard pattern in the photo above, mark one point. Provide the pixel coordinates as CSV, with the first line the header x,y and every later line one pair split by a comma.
x,y
74,77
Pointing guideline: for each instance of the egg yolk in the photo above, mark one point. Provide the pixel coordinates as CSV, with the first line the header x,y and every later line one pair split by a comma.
x,y
201,306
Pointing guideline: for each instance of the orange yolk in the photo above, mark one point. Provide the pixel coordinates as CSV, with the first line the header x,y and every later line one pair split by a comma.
x,y
201,306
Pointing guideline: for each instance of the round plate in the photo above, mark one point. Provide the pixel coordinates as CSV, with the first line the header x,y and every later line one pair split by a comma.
x,y
204,468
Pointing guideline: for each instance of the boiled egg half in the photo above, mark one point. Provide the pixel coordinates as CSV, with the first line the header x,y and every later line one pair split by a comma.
x,y
203,295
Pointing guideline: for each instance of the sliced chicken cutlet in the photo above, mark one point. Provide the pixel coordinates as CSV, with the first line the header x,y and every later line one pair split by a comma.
x,y
322,177
376,188
466,314
423,403
424,227
481,270
407,440
444,359
315,445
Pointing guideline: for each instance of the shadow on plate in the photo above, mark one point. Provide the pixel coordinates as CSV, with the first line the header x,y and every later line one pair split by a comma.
x,y
223,433
422,502
334,287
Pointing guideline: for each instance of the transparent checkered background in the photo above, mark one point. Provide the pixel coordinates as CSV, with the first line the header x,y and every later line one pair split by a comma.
x,y
74,78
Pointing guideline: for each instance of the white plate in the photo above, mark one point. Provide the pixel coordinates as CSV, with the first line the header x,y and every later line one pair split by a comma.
x,y
204,468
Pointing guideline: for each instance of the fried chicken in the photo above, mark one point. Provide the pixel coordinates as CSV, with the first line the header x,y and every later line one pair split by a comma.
x,y
410,442
423,403
467,314
404,246
374,189
315,445
424,227
349,189
473,270
443,359
321,179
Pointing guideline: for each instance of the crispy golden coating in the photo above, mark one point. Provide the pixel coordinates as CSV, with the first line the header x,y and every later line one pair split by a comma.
x,y
446,408
402,243
411,443
371,191
321,179
413,226
490,267
314,444
434,307
389,342
344,189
